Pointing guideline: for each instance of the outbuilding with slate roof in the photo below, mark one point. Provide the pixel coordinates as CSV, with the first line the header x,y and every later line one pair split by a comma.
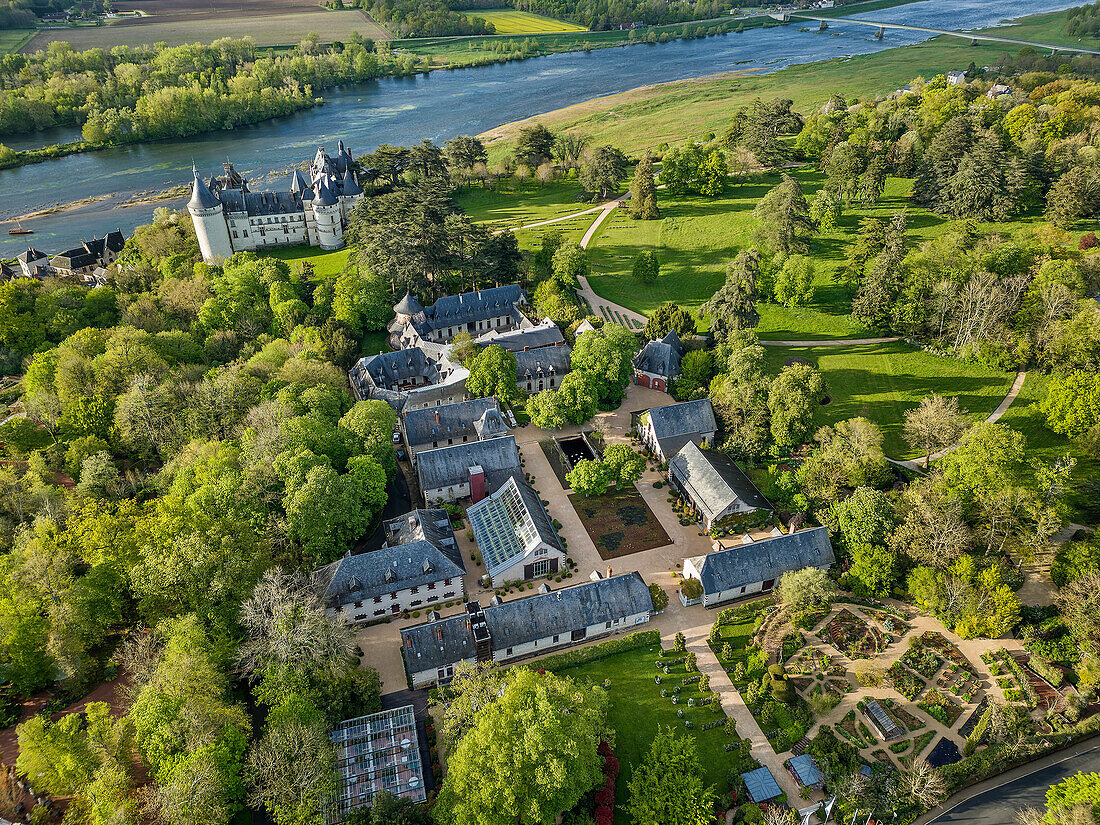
x,y
429,428
713,485
512,630
761,785
658,363
421,566
755,567
665,430
475,469
410,379
515,535
475,313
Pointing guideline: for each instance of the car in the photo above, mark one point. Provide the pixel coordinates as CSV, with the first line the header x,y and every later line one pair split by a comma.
x,y
397,438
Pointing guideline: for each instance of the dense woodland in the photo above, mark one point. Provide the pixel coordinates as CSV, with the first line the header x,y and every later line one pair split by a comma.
x,y
127,95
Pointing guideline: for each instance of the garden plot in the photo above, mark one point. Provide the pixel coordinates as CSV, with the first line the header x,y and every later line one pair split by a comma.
x,y
619,523
852,636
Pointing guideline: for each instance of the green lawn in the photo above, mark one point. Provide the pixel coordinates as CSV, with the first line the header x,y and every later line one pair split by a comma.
x,y
882,381
636,708
511,205
325,264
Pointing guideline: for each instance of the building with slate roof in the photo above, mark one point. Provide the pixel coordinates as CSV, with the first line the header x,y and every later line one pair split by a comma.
x,y
379,752
803,769
34,263
515,535
543,334
755,567
411,378
509,631
658,363
429,428
313,209
476,313
665,430
473,470
761,785
90,255
542,369
420,566
713,485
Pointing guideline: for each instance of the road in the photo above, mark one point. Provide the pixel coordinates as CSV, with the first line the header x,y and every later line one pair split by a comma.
x,y
996,801
972,36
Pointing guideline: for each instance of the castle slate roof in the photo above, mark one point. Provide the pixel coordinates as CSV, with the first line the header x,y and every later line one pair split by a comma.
x,y
713,481
469,307
447,466
349,185
454,421
298,182
408,305
325,195
547,359
491,424
661,357
201,196
261,203
448,641
763,560
432,526
676,424
31,254
510,524
364,576
517,340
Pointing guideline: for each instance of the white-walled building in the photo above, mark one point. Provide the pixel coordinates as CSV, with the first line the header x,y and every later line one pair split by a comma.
x,y
472,470
665,430
755,567
515,535
229,218
508,631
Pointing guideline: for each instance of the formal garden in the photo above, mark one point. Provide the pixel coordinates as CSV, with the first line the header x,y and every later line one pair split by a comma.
x,y
619,523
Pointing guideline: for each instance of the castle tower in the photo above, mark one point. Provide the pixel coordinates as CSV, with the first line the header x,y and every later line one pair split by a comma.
x,y
208,215
326,210
350,193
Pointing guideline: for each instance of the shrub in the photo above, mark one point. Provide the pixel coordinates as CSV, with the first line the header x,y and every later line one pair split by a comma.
x,y
645,638
659,596
680,643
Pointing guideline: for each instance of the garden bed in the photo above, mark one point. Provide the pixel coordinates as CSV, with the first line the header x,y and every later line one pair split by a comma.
x,y
937,642
853,636
619,523
940,707
922,660
905,682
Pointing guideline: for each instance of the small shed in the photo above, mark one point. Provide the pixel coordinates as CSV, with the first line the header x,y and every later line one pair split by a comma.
x,y
761,785
805,771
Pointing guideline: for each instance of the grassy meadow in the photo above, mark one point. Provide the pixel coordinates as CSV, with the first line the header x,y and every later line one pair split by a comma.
x,y
325,264
510,21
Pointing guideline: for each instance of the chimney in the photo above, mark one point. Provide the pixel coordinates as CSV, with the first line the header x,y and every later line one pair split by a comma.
x,y
477,483
439,633
609,571
437,416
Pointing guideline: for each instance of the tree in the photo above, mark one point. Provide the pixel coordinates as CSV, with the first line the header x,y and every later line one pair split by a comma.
x,y
604,169
866,517
847,456
362,302
646,268
291,772
643,192
794,282
1079,602
733,306
606,354
588,477
668,317
569,148
783,217
493,373
923,784
825,210
1072,403
931,529
368,428
1075,195
387,808
534,145
806,589
668,786
465,152
936,423
622,465
529,755
712,174
875,569
570,264
793,398
696,370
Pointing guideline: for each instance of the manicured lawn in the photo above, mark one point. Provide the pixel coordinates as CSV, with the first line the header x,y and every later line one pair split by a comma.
x,y
619,523
882,381
636,708
511,205
325,264
510,21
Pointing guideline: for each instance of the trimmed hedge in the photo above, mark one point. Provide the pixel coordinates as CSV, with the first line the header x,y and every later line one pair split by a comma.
x,y
569,658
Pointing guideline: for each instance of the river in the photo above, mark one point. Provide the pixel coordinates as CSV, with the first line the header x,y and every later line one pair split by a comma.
x,y
437,106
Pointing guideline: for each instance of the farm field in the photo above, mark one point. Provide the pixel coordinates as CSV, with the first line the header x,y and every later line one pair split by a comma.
x,y
266,30
882,381
12,40
510,21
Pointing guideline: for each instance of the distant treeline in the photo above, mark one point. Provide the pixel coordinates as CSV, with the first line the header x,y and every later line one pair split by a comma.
x,y
1083,21
128,95
424,18
601,15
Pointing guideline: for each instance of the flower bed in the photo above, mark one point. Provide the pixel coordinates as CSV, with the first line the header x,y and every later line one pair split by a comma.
x,y
905,681
937,642
852,636
847,728
900,715
940,707
922,660
921,742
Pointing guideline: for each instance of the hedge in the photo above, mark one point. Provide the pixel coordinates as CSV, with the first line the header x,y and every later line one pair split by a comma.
x,y
570,658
